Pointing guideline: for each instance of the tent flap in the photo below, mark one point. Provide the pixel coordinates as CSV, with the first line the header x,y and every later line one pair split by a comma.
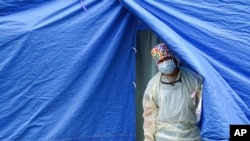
x,y
212,38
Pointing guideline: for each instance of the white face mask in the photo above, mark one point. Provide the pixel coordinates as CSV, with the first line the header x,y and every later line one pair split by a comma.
x,y
167,67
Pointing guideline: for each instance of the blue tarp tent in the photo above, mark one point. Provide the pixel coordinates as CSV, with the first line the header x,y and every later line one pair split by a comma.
x,y
67,68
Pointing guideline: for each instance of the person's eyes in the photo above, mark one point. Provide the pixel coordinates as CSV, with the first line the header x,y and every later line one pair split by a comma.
x,y
160,61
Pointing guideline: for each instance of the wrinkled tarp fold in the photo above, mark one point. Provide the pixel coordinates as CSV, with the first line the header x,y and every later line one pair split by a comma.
x,y
66,73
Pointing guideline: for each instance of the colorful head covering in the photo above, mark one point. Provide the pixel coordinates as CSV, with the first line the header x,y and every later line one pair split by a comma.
x,y
161,51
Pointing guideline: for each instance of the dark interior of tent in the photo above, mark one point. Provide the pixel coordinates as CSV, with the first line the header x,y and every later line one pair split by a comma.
x,y
145,69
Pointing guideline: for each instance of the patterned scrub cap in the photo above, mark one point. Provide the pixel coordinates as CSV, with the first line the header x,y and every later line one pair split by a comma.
x,y
161,51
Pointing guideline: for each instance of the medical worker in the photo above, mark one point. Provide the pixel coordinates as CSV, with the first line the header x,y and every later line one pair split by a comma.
x,y
172,100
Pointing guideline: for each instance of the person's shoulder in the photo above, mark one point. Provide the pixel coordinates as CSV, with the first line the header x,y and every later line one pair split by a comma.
x,y
187,71
155,76
192,73
152,80
151,83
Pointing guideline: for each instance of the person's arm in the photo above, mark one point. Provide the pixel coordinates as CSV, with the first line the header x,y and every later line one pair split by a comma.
x,y
149,118
150,108
199,100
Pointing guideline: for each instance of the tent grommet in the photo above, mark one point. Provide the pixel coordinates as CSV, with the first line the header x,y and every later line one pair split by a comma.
x,y
134,49
134,84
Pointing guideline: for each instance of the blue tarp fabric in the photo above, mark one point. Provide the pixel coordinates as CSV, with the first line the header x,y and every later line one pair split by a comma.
x,y
66,73
67,68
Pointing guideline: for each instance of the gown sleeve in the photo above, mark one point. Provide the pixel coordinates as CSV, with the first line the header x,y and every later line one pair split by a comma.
x,y
199,97
199,103
150,110
149,119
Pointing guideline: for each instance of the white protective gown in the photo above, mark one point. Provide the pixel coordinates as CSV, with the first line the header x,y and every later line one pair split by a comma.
x,y
171,111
